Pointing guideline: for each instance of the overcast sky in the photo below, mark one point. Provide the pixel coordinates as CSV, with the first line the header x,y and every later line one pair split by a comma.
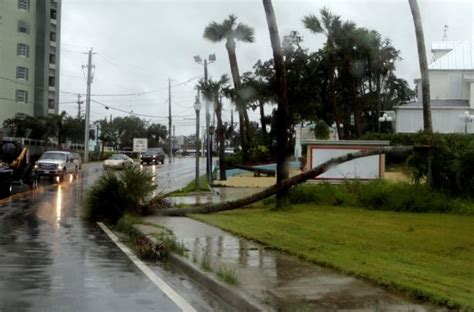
x,y
140,43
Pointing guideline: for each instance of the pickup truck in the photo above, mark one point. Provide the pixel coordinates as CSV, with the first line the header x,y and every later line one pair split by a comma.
x,y
56,164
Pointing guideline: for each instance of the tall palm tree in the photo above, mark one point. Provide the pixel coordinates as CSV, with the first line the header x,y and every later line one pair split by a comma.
x,y
213,91
231,31
425,81
328,24
282,112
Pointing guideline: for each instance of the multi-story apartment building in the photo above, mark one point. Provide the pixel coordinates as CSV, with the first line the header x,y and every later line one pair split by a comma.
x,y
29,57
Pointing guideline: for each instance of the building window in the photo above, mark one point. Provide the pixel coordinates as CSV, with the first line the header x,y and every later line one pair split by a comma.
x,y
24,4
52,49
51,81
52,72
23,50
23,27
52,59
21,96
53,14
21,73
52,36
51,103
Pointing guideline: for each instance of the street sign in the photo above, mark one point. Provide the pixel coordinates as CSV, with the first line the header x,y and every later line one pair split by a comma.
x,y
140,145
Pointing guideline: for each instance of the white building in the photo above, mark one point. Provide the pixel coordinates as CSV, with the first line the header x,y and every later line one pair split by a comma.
x,y
451,74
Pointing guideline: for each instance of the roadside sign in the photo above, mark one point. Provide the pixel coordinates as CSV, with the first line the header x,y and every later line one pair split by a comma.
x,y
140,145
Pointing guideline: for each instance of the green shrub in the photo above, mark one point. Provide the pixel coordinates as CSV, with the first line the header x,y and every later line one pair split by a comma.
x,y
321,130
115,193
382,195
379,195
321,193
451,157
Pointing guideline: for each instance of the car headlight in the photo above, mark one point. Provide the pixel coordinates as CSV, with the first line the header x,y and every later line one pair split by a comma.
x,y
36,166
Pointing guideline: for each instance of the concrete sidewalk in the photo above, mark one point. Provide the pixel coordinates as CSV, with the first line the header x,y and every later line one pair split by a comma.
x,y
269,279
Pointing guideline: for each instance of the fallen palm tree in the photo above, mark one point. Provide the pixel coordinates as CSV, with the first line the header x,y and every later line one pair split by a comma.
x,y
285,184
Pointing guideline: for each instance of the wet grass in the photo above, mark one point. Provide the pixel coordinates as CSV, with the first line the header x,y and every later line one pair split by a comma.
x,y
227,275
428,255
191,187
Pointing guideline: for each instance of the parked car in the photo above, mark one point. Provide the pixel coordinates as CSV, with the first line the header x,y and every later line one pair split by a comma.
x,y
153,155
56,164
118,161
77,159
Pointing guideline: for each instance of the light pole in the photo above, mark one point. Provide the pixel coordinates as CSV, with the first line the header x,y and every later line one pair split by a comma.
x,y
205,62
384,118
197,108
466,117
211,133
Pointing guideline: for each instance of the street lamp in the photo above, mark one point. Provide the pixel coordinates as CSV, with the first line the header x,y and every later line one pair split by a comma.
x,y
384,118
205,62
197,108
466,117
211,133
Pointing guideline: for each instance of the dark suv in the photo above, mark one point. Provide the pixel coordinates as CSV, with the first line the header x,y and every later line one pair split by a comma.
x,y
153,155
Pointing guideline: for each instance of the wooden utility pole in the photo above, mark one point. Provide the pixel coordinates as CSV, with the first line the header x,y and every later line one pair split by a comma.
x,y
88,107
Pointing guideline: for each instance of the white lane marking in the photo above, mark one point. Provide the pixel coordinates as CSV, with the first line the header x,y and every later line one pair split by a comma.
x,y
173,295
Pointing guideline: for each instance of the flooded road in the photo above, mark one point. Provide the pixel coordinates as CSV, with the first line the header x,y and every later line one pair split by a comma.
x,y
52,260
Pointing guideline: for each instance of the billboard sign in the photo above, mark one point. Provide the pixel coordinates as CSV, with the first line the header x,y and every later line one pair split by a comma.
x,y
140,145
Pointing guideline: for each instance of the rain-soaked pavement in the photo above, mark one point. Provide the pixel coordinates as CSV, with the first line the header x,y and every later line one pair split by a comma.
x,y
51,260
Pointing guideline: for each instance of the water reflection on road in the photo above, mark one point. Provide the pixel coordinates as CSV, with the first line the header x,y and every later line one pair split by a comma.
x,y
51,260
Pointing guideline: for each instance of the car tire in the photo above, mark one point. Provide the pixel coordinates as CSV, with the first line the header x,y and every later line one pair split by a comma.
x,y
162,161
5,189
62,176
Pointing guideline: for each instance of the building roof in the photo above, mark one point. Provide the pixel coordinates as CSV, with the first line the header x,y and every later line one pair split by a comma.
x,y
461,56
439,104
445,45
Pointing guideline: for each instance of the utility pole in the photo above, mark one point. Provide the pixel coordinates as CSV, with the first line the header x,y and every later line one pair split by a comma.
x,y
79,103
208,143
88,107
170,123
174,136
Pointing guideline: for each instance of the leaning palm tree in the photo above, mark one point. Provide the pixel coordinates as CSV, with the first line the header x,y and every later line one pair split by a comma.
x,y
282,112
231,32
213,91
425,81
328,24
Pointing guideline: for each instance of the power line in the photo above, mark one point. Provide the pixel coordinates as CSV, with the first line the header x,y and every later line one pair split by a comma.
x,y
137,93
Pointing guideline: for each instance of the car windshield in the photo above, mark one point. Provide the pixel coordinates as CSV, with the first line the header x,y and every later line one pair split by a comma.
x,y
55,156
118,157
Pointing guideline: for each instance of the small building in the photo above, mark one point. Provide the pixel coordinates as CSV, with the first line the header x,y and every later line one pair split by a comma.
x,y
451,74
364,168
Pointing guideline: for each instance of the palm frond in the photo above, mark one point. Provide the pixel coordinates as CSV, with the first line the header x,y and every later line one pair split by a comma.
x,y
312,23
244,33
214,32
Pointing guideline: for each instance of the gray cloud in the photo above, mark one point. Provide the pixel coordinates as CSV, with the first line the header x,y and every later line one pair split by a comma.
x,y
142,43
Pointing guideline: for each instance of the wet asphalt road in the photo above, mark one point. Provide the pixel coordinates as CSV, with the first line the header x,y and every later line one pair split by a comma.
x,y
51,260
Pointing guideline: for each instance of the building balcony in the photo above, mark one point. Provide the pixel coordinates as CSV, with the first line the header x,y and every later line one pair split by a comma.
x,y
52,66
53,21
51,111
52,43
51,89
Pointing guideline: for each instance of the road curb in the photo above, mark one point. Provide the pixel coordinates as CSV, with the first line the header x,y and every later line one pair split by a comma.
x,y
228,294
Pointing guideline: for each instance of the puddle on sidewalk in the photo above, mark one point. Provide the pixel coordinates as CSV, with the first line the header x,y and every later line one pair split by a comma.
x,y
281,281
221,194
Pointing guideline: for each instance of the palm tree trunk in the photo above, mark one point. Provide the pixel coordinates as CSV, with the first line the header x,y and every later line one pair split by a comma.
x,y
234,69
332,96
282,112
425,81
220,137
262,118
283,186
